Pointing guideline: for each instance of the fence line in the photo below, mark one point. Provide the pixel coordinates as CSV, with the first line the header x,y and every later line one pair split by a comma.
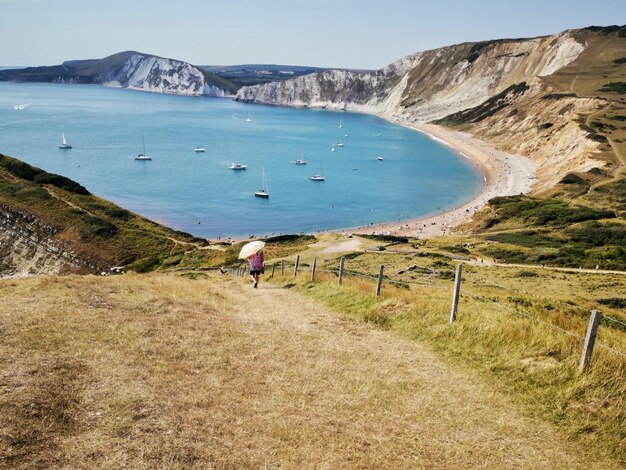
x,y
551,325
241,271
615,320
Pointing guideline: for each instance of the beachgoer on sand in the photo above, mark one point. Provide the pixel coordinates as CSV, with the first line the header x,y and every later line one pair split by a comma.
x,y
256,267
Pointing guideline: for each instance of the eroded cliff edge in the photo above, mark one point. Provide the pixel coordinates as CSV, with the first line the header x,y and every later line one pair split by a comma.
x,y
530,96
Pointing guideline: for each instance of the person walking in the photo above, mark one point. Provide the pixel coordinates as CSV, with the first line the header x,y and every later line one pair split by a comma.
x,y
256,267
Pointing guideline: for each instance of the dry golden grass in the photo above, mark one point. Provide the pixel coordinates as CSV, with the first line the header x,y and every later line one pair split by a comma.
x,y
160,371
535,364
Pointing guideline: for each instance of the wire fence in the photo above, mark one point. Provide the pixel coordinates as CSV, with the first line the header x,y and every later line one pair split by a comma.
x,y
293,269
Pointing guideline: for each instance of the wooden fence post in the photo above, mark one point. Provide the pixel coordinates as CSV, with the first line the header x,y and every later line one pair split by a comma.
x,y
273,269
590,339
379,284
341,261
457,291
295,268
313,269
282,268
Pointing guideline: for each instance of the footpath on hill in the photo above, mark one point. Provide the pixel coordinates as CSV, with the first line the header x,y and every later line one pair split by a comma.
x,y
163,371
396,404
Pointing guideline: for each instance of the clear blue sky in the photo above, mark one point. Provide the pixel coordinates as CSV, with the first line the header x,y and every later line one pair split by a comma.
x,y
341,33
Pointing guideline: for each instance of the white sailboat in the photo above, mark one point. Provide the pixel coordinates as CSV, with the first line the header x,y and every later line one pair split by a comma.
x,y
64,145
249,119
301,161
318,176
143,156
340,124
264,191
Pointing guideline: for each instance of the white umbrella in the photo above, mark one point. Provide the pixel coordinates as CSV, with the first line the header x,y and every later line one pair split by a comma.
x,y
251,248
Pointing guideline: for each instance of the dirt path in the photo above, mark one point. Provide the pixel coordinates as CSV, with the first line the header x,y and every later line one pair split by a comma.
x,y
392,403
159,371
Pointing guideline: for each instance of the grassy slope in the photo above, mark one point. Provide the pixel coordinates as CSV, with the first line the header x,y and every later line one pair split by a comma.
x,y
94,228
158,371
526,359
543,230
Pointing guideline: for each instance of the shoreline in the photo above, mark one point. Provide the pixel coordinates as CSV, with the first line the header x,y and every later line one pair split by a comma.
x,y
504,174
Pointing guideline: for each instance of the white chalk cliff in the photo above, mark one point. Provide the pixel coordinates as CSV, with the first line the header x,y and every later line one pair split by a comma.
x,y
156,74
427,85
431,85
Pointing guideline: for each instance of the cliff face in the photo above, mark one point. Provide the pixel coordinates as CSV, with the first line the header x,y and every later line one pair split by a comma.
x,y
130,70
526,96
159,75
28,246
427,85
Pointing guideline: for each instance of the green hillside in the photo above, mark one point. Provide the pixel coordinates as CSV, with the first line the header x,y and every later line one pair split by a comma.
x,y
94,229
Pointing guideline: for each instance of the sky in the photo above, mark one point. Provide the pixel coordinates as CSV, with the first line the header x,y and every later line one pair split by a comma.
x,y
360,34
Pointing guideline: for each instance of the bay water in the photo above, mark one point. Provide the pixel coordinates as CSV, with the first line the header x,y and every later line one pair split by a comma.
x,y
198,193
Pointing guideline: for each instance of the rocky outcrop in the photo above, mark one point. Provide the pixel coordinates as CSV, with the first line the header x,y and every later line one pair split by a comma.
x,y
28,246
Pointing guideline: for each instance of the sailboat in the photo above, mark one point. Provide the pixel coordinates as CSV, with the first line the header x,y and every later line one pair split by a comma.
x,y
302,161
340,124
143,156
249,119
64,145
317,176
263,192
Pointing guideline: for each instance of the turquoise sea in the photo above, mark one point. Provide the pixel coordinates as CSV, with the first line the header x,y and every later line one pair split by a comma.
x,y
198,193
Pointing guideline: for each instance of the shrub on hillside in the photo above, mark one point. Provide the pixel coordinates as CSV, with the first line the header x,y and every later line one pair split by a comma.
x,y
544,211
100,227
572,178
60,182
613,302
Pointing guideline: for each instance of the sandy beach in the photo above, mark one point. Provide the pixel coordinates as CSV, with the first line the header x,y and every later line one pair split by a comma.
x,y
504,175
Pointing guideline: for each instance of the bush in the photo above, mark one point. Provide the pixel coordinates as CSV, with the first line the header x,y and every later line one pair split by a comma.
x,y
144,265
60,182
544,211
526,274
527,238
289,238
386,238
572,178
594,234
19,169
100,227
614,87
39,176
456,249
613,302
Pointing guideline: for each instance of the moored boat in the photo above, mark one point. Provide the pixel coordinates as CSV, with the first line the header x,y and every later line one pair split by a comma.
x,y
64,145
143,156
263,192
